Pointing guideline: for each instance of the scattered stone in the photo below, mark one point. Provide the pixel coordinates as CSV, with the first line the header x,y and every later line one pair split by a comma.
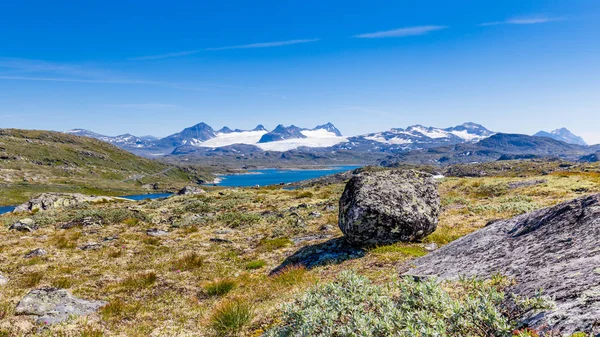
x,y
91,246
35,253
330,208
110,238
430,247
527,183
303,206
24,225
48,201
315,214
191,190
51,305
333,251
152,187
156,232
311,238
219,240
223,231
554,249
326,228
384,207
85,222
3,280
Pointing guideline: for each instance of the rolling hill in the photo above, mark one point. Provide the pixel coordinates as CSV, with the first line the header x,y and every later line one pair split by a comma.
x,y
46,161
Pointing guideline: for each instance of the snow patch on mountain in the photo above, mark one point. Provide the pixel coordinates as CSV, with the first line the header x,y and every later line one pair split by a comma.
x,y
226,139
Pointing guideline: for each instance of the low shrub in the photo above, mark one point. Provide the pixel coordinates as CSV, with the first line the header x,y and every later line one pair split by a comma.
x,y
290,276
353,306
236,219
139,281
32,279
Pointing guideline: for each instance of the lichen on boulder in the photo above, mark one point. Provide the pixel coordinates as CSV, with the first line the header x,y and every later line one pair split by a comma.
x,y
384,207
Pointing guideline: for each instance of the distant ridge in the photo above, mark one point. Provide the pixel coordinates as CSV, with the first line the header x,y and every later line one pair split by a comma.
x,y
564,135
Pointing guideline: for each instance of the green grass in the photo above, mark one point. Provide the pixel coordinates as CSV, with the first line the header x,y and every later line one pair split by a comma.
x,y
274,244
219,288
256,264
230,317
139,281
408,250
187,262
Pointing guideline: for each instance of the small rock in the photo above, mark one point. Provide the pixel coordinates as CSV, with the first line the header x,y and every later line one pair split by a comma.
x,y
191,190
223,231
110,238
330,208
430,247
91,246
24,225
311,238
303,206
326,228
3,280
35,253
219,240
315,214
156,232
51,305
85,222
528,183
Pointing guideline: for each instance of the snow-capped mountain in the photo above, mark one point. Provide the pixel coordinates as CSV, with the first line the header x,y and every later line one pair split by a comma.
x,y
563,135
126,141
418,134
202,138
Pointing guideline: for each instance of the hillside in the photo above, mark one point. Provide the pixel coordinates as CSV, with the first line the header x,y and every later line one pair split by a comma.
x,y
180,266
43,161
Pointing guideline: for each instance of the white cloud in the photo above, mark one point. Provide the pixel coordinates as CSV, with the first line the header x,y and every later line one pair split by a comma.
x,y
265,44
532,20
401,32
243,46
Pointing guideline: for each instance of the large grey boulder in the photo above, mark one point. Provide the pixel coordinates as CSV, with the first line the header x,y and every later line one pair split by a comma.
x,y
555,249
48,201
191,190
51,305
384,207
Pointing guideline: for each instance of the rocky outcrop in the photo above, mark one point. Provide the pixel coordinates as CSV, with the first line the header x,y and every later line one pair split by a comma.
x,y
38,252
24,225
51,305
191,190
383,207
48,201
554,249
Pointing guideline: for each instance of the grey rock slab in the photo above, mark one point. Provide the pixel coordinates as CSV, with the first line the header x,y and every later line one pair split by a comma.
x,y
3,280
48,201
156,232
51,305
24,225
555,249
36,253
384,207
191,190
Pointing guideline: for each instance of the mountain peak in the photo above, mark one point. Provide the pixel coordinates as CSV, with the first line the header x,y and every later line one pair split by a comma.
x,y
225,129
259,127
281,132
330,128
564,135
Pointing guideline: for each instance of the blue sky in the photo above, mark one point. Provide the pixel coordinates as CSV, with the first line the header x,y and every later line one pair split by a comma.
x,y
157,67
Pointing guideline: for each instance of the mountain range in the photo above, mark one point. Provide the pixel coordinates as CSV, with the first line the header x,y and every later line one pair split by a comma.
x,y
325,144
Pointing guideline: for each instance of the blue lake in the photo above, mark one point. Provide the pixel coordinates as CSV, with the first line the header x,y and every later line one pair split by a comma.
x,y
147,196
6,209
276,176
253,178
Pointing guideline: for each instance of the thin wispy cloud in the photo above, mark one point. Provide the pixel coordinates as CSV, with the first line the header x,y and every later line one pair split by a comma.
x,y
243,46
265,44
143,106
532,20
401,32
165,56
